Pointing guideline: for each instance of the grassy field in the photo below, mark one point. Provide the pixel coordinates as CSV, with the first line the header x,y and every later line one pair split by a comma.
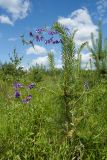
x,y
38,129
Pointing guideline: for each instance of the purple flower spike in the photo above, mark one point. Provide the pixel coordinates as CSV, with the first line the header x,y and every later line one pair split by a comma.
x,y
41,38
37,38
40,30
49,41
56,42
31,86
27,99
52,32
17,94
17,85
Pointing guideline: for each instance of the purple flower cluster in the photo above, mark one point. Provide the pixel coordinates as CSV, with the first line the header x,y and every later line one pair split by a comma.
x,y
41,30
17,86
32,85
39,37
27,99
52,41
52,32
17,94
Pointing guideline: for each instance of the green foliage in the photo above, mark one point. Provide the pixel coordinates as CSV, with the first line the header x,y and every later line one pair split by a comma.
x,y
51,62
12,70
99,51
15,59
37,130
70,65
36,73
7,71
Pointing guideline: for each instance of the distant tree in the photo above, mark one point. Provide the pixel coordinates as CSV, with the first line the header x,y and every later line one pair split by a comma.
x,y
36,73
12,68
99,51
15,59
51,62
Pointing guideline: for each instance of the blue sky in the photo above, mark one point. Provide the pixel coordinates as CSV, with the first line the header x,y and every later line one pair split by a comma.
x,y
22,16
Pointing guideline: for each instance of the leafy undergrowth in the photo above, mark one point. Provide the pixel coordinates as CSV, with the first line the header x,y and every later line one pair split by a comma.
x,y
37,130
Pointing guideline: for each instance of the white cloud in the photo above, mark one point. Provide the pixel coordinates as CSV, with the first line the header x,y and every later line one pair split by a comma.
x,y
17,9
58,62
38,50
40,61
81,20
5,20
101,7
58,66
85,61
85,57
53,51
12,39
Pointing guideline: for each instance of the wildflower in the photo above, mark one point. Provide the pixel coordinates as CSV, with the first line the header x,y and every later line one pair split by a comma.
x,y
41,38
52,32
51,41
56,42
27,99
17,85
17,94
31,86
40,30
37,38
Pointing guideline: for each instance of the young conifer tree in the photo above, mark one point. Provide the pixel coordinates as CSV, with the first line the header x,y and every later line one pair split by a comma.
x,y
99,51
69,64
51,62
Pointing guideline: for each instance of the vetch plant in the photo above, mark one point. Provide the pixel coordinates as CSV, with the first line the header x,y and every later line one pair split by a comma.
x,y
17,86
39,35
27,99
32,85
17,94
